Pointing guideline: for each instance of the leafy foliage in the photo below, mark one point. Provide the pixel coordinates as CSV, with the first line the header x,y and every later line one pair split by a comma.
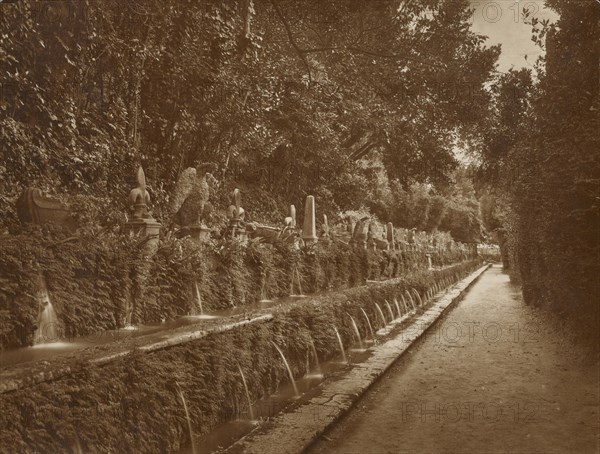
x,y
542,157
287,98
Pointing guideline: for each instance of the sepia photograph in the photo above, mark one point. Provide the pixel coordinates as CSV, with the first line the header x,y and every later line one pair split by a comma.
x,y
300,226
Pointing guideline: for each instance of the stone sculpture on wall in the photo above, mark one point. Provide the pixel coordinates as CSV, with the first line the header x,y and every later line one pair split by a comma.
x,y
236,215
359,236
141,222
34,207
309,228
325,233
191,202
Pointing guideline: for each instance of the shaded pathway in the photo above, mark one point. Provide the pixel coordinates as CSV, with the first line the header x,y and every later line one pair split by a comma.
x,y
491,377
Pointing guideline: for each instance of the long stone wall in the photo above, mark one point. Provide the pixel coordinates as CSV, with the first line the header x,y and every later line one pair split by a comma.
x,y
132,400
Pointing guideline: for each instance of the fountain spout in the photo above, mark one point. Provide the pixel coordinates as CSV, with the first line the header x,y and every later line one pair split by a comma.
x,y
187,417
198,301
381,314
287,366
356,332
341,344
369,324
314,352
47,327
389,308
250,410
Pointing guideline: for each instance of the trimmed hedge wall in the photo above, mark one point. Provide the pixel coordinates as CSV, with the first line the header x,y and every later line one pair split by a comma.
x,y
132,405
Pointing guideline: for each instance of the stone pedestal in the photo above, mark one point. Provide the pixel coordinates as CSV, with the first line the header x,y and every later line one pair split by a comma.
x,y
237,229
197,233
147,228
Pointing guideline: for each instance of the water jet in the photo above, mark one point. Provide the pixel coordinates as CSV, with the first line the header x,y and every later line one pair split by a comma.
x,y
381,314
341,344
47,326
356,332
368,324
187,417
250,409
289,371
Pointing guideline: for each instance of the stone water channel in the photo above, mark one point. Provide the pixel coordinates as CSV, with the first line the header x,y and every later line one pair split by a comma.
x,y
494,376
23,362
290,397
358,364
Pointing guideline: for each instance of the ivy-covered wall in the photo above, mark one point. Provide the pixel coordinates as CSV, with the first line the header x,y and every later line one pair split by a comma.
x,y
132,405
93,279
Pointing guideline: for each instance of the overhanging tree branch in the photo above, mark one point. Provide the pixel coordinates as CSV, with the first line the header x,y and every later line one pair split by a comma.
x,y
291,38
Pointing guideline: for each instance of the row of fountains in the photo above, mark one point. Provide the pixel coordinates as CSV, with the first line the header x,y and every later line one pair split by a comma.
x,y
401,308
192,211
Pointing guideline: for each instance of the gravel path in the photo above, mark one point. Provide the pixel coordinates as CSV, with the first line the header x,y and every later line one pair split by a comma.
x,y
493,376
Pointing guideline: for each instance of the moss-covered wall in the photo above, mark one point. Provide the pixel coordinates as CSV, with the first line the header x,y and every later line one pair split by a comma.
x,y
132,405
92,280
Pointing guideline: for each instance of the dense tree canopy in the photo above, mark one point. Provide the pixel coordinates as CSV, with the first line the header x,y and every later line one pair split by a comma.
x,y
343,99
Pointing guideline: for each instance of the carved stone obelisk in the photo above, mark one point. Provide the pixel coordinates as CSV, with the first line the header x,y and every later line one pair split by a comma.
x,y
390,236
309,230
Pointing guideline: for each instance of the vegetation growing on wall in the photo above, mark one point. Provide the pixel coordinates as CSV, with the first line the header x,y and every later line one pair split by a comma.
x,y
93,280
133,405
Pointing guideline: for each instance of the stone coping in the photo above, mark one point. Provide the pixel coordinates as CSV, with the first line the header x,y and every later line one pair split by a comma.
x,y
27,374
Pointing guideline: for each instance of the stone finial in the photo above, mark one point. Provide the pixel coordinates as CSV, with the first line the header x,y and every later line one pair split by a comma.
x,y
390,235
349,226
139,197
325,227
359,236
411,236
309,230
290,221
142,222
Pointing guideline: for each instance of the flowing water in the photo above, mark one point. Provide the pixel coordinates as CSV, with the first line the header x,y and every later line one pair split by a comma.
x,y
187,417
296,280
48,328
398,308
198,310
389,308
418,297
412,303
314,352
250,410
341,344
369,324
287,366
404,304
264,297
44,351
381,314
357,333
